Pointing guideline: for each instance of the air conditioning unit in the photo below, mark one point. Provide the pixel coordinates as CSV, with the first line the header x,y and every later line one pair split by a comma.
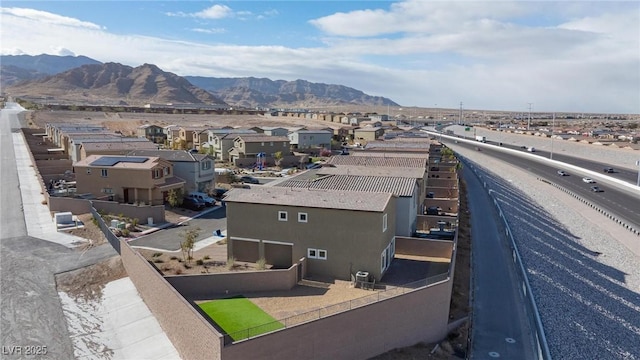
x,y
362,276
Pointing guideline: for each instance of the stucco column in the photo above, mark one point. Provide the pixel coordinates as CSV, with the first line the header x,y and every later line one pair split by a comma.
x,y
135,194
150,191
261,250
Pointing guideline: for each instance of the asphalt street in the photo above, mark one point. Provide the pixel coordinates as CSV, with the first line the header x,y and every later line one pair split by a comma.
x,y
500,326
31,313
170,238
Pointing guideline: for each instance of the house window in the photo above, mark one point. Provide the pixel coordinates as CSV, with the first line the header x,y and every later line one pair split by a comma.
x,y
103,172
157,173
317,254
282,215
206,165
384,222
284,144
107,190
383,260
262,143
302,217
167,171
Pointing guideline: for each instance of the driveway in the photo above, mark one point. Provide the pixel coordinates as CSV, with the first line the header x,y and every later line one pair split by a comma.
x,y
169,239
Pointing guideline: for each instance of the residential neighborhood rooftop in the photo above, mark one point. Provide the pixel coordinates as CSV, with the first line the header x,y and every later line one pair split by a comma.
x,y
112,161
328,199
406,172
378,161
171,155
398,186
261,138
117,145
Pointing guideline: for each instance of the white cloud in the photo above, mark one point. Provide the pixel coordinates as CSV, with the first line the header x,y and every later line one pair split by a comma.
x,y
210,31
62,52
479,53
47,17
215,12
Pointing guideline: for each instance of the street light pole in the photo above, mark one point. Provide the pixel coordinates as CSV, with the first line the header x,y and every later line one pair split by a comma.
x,y
529,122
553,122
638,164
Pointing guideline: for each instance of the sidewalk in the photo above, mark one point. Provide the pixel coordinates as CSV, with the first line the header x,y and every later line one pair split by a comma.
x,y
40,224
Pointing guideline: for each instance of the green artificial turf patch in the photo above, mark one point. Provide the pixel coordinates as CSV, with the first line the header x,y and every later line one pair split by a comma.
x,y
239,317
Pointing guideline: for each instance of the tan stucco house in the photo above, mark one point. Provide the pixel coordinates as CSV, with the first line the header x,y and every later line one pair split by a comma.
x,y
338,232
126,179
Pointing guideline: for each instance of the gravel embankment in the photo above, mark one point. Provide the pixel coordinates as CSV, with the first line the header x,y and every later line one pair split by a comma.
x,y
616,157
585,282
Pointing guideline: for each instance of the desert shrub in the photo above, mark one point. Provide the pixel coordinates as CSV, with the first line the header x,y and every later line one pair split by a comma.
x,y
231,262
261,264
158,261
156,254
173,258
125,232
178,271
199,262
206,257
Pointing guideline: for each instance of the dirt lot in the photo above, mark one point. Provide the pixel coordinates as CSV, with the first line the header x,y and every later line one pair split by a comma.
x,y
94,277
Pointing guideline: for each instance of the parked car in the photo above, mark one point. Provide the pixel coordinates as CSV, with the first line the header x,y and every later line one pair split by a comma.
x,y
314,166
562,173
249,179
206,199
596,189
588,180
192,204
609,170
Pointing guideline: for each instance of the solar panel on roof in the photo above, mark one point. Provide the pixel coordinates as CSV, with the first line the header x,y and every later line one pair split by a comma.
x,y
112,160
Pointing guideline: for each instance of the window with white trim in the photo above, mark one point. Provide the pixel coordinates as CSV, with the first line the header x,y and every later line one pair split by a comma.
x,y
103,172
383,260
302,217
317,254
282,216
384,222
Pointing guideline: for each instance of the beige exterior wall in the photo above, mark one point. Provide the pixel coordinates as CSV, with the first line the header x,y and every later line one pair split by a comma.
x,y
418,316
192,335
353,240
269,147
139,183
195,287
424,247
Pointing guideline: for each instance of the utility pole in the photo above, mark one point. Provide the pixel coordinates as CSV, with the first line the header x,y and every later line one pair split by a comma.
x,y
529,123
553,125
460,115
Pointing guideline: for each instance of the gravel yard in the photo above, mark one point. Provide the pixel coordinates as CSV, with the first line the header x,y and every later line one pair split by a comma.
x,y
585,282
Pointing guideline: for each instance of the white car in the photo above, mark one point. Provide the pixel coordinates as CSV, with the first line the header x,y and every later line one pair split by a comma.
x,y
588,180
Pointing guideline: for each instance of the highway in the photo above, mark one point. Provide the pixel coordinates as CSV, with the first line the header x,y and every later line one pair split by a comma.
x,y
618,202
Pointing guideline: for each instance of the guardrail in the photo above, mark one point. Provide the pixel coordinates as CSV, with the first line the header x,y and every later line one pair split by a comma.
x,y
593,206
540,337
621,184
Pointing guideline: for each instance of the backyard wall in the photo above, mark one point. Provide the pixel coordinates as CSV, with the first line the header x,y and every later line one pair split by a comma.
x,y
428,222
361,333
192,336
443,192
446,183
424,247
448,206
199,287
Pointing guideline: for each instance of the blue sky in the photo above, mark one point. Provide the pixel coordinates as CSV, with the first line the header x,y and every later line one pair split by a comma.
x,y
559,55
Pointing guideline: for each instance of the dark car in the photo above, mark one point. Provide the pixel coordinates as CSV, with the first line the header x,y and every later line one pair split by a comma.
x,y
596,189
218,193
433,210
192,204
609,170
249,179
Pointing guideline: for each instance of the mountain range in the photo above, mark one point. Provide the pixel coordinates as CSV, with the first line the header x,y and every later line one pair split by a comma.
x,y
87,81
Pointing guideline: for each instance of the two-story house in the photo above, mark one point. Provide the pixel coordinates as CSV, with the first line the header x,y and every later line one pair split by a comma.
x,y
305,139
173,134
271,130
406,191
251,145
118,146
339,232
368,133
152,132
197,170
127,179
185,137
220,141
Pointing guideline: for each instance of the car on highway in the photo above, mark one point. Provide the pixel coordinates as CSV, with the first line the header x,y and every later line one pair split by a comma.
x,y
249,179
588,180
609,170
562,173
192,204
596,189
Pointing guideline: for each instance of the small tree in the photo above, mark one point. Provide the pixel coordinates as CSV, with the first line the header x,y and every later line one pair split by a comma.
x,y
278,156
174,198
186,245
